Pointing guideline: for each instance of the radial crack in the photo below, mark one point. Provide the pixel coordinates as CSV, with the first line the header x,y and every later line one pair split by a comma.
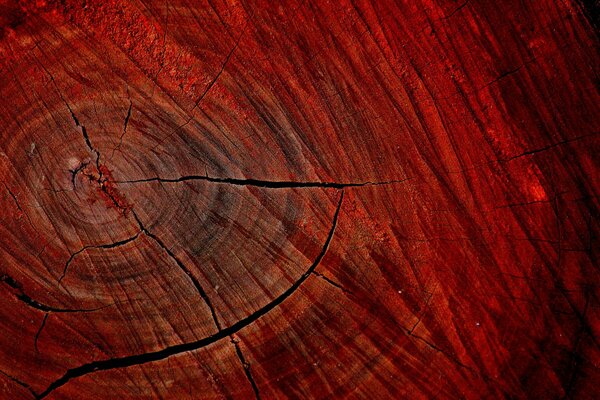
x,y
181,266
16,200
138,359
246,366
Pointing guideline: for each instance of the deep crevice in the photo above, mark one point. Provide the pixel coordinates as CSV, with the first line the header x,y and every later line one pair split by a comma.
x,y
144,358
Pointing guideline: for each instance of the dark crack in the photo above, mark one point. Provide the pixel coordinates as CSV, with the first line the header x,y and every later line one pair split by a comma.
x,y
457,9
98,246
333,283
262,183
125,124
18,382
182,267
103,182
29,301
16,200
75,171
548,147
138,359
447,354
246,366
39,332
88,142
422,314
576,358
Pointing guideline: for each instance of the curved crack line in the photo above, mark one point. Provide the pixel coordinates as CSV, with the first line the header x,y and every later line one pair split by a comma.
x,y
39,332
262,183
98,246
152,236
101,180
138,359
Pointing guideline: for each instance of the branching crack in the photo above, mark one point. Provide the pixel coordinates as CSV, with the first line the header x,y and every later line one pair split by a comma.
x,y
448,355
181,266
75,171
88,143
204,296
422,314
138,359
98,246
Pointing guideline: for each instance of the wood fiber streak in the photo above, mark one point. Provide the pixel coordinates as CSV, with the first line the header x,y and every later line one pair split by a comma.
x,y
301,199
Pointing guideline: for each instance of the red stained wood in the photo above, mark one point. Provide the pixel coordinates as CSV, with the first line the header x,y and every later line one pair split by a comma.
x,y
307,199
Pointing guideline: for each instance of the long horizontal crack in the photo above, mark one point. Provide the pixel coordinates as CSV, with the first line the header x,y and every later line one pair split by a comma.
x,y
138,359
261,183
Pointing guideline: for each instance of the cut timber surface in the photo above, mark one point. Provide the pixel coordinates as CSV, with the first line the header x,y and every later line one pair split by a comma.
x,y
300,199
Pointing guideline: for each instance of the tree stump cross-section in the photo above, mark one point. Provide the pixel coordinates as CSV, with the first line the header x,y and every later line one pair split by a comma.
x,y
299,199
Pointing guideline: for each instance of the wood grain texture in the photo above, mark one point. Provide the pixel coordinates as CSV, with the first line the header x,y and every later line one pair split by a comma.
x,y
300,199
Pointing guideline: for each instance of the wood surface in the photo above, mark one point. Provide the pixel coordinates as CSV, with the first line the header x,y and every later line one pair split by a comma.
x,y
299,200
